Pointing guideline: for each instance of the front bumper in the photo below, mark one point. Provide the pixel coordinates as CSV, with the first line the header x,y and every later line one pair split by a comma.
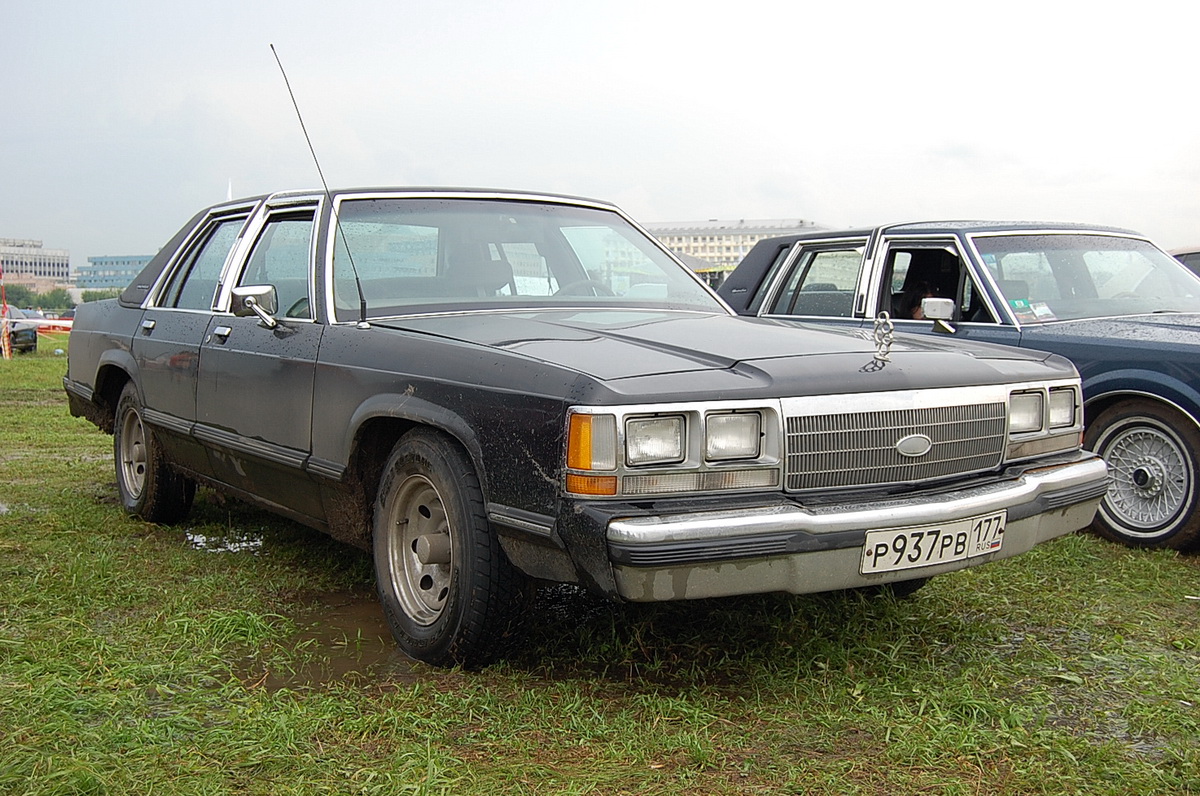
x,y
802,548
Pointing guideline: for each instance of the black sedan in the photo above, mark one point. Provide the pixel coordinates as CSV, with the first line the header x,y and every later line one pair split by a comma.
x,y
495,389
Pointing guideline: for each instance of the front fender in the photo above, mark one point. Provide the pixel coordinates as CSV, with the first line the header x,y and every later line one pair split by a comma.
x,y
409,408
1104,389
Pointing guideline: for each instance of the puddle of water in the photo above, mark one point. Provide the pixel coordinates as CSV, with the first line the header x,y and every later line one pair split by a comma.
x,y
347,640
224,544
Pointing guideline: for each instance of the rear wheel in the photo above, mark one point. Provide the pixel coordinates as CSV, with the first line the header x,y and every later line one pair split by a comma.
x,y
1151,451
449,593
149,488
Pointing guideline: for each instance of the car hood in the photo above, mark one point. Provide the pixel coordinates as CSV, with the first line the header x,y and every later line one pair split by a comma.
x,y
1161,331
630,344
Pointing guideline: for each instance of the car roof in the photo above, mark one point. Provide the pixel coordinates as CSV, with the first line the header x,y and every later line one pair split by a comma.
x,y
742,285
956,227
417,190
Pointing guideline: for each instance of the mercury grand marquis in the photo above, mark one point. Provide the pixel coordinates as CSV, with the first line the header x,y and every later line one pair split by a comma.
x,y
490,390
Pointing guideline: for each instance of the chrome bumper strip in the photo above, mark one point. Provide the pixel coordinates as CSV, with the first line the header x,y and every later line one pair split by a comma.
x,y
674,540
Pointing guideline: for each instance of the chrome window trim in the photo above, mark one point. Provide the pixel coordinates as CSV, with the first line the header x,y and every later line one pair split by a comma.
x,y
796,251
240,254
976,257
330,316
154,294
983,281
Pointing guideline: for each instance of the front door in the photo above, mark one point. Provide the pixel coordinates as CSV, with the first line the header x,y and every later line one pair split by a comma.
x,y
254,395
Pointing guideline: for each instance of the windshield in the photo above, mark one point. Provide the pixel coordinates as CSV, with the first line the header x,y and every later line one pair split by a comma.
x,y
426,255
1065,277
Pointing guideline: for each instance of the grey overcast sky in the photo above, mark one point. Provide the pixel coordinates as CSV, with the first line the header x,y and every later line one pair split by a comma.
x,y
121,119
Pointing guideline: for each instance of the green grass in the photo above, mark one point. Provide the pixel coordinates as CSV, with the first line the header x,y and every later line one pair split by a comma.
x,y
133,662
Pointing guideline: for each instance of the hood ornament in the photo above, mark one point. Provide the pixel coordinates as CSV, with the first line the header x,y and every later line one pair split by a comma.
x,y
883,336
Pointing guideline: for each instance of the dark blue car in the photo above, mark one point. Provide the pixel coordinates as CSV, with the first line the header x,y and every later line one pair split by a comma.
x,y
22,331
1124,311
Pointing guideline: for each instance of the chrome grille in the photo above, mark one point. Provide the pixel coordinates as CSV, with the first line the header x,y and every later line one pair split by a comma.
x,y
859,448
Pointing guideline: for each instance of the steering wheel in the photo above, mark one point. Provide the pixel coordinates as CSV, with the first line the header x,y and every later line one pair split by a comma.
x,y
598,288
298,310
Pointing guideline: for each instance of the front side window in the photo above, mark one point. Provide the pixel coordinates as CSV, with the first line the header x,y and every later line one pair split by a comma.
x,y
280,258
425,255
917,272
1065,277
194,282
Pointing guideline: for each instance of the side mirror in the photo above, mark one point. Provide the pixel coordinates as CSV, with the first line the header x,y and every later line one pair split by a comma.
x,y
260,300
940,311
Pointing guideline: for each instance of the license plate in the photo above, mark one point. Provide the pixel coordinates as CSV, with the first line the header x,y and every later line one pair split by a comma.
x,y
926,545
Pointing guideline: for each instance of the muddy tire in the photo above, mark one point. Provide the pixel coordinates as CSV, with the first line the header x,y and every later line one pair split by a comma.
x,y
449,593
148,487
1152,499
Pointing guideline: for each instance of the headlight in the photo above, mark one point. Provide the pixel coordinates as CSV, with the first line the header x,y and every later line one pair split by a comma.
x,y
1024,412
643,450
1062,408
654,440
735,436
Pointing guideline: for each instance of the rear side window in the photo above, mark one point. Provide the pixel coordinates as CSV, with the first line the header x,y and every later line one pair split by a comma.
x,y
194,282
822,284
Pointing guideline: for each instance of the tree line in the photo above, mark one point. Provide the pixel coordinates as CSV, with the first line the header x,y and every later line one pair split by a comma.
x,y
57,300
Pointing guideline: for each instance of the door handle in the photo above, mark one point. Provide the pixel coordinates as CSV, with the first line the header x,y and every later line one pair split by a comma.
x,y
148,325
222,333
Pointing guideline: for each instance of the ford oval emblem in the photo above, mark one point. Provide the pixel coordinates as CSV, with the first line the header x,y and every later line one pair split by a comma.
x,y
914,445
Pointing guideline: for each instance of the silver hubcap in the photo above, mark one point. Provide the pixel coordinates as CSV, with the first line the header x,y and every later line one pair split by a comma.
x,y
419,550
133,454
1150,476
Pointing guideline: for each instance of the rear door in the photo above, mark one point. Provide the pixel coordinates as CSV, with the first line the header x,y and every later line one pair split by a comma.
x,y
166,345
821,281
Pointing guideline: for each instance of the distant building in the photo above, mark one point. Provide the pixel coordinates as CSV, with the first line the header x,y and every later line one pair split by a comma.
x,y
26,263
110,272
714,248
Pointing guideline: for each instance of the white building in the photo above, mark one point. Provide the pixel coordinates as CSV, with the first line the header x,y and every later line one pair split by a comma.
x,y
26,263
721,245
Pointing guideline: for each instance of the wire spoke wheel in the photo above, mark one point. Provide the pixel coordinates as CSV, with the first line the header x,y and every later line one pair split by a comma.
x,y
1149,477
1151,453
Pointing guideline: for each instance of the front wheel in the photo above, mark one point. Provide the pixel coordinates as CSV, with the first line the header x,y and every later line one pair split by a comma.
x,y
1151,451
149,488
448,591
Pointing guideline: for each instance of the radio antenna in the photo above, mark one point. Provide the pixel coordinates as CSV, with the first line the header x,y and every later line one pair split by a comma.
x,y
337,222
